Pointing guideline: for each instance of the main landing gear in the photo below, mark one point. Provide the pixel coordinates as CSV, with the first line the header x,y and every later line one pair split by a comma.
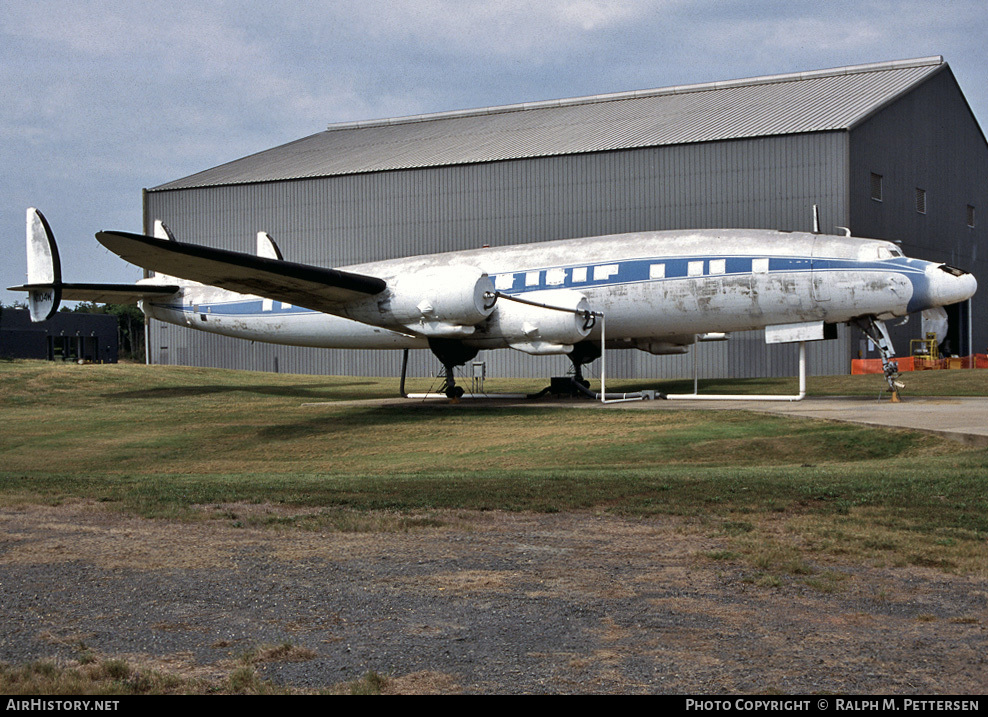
x,y
582,354
451,353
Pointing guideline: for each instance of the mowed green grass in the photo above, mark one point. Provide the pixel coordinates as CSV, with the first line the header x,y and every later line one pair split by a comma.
x,y
162,441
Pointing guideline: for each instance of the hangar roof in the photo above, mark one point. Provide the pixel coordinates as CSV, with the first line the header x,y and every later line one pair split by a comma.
x,y
818,101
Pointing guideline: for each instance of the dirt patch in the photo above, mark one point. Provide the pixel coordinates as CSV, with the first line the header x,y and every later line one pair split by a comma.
x,y
484,603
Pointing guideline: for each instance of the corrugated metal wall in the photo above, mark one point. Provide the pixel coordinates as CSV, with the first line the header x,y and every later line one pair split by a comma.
x,y
770,182
928,141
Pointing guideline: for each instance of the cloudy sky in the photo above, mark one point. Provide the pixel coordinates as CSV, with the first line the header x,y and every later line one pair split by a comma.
x,y
102,99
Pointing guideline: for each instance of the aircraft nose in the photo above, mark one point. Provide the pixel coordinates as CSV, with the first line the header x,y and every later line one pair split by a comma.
x,y
950,285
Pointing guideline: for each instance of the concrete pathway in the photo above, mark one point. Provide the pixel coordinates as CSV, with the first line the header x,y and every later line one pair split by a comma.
x,y
963,419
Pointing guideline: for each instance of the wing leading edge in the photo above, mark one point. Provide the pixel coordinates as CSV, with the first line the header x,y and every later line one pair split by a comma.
x,y
302,285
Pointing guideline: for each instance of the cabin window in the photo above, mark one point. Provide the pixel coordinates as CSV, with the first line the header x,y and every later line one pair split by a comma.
x,y
555,277
657,271
606,271
694,268
718,266
920,200
532,278
759,266
970,216
580,273
876,187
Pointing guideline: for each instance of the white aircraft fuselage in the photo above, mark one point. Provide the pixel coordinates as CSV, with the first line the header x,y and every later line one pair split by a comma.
x,y
655,289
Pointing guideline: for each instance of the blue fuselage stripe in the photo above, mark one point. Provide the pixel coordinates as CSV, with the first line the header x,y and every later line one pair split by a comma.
x,y
626,271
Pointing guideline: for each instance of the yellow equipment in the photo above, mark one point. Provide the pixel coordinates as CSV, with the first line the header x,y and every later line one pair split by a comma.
x,y
925,348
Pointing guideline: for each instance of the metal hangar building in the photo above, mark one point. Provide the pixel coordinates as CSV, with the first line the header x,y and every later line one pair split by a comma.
x,y
890,150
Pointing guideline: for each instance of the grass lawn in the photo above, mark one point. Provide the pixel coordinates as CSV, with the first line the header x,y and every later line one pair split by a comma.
x,y
163,441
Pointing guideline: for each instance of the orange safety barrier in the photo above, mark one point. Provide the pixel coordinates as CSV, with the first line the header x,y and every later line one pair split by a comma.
x,y
915,363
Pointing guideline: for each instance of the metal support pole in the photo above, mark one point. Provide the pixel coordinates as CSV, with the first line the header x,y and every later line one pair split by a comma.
x,y
404,370
739,397
620,398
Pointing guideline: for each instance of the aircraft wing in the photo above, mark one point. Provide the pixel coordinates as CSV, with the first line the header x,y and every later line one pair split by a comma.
x,y
303,285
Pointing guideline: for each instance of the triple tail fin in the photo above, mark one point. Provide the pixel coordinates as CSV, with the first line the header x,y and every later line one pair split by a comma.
x,y
267,248
45,288
44,268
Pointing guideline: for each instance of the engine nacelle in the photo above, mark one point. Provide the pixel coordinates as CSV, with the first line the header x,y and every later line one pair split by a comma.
x,y
446,301
541,329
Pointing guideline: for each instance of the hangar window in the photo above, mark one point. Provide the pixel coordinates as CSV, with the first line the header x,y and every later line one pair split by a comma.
x,y
920,200
970,216
876,187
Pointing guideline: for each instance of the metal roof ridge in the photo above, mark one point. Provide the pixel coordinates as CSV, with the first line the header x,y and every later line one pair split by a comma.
x,y
637,94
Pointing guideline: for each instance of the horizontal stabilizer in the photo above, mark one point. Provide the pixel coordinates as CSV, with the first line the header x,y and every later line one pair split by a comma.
x,y
298,284
103,293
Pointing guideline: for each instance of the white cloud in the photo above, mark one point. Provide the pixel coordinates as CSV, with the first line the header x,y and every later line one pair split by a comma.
x,y
496,28
103,98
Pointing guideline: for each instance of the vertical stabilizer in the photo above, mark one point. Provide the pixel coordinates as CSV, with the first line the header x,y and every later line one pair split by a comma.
x,y
162,232
44,269
267,247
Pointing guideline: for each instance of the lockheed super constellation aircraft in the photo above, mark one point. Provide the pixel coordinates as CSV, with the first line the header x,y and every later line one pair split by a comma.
x,y
655,291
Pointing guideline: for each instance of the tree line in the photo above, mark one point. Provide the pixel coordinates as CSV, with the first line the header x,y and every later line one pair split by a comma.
x,y
130,324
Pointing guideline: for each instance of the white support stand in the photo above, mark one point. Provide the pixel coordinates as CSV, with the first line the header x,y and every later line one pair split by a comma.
x,y
695,396
618,398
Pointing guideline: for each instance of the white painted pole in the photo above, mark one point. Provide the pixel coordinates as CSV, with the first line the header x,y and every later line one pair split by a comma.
x,y
603,372
739,397
603,359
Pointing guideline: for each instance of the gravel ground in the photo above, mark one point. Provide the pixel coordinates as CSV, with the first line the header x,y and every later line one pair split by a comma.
x,y
488,603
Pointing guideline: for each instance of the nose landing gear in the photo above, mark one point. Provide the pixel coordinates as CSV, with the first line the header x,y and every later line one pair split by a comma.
x,y
876,331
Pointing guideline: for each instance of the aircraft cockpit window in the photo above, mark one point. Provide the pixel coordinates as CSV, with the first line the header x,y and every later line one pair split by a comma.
x,y
881,253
